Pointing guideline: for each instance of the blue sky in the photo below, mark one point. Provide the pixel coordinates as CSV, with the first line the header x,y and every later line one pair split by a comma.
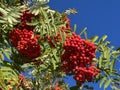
x,y
99,16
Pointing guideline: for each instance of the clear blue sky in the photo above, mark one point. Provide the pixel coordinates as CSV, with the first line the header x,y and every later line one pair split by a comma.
x,y
99,16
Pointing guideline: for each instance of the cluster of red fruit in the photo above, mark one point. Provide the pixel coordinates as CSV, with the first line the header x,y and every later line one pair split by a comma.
x,y
79,53
25,18
85,73
26,43
24,38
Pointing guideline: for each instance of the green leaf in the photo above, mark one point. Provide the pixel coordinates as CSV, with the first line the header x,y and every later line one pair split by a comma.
x,y
95,60
75,28
116,74
115,80
9,20
84,30
102,81
100,61
107,56
26,65
107,83
55,55
37,12
9,72
43,66
46,51
13,19
112,65
64,37
106,43
33,23
52,18
55,30
93,39
2,84
85,34
54,63
61,35
2,56
4,12
115,54
16,15
44,13
103,38
6,54
2,21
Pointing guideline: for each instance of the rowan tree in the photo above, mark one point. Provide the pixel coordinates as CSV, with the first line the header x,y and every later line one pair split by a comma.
x,y
39,48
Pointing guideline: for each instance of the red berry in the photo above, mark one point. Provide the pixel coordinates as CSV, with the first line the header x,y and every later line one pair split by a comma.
x,y
78,57
25,42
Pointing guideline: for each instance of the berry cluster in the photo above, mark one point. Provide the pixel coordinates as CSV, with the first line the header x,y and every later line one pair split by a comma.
x,y
85,73
26,43
18,35
78,53
26,18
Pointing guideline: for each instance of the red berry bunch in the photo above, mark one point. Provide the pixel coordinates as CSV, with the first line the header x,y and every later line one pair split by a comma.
x,y
29,48
78,53
26,18
26,43
18,35
85,73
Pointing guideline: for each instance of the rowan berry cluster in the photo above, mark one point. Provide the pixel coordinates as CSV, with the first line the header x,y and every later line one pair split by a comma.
x,y
83,74
79,53
17,35
26,18
26,43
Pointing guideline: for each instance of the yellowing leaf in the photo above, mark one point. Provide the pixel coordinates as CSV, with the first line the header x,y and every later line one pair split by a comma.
x,y
107,83
102,81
